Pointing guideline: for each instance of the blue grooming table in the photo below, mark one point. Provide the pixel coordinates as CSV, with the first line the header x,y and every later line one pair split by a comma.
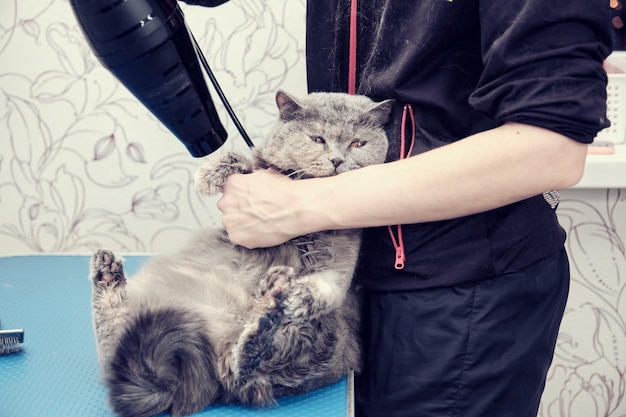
x,y
56,374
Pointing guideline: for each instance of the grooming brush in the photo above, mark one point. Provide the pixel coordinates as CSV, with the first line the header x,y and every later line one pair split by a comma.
x,y
10,340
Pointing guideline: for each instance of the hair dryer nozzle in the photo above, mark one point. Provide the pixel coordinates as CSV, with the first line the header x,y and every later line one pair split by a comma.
x,y
147,46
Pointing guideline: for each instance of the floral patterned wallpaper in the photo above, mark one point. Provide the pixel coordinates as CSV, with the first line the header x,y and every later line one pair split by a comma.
x,y
587,378
83,165
82,162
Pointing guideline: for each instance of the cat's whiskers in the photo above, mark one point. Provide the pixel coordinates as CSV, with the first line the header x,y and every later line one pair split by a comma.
x,y
296,174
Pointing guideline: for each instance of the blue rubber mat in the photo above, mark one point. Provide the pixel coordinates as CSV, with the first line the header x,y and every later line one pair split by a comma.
x,y
56,374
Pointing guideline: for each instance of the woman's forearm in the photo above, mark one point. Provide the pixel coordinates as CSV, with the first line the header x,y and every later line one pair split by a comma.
x,y
481,172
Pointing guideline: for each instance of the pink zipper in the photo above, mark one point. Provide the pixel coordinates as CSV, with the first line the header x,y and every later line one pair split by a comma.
x,y
398,242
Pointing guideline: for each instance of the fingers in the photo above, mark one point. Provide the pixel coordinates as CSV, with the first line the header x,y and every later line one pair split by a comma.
x,y
232,193
252,211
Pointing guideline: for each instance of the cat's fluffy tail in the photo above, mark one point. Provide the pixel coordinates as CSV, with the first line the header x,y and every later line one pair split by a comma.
x,y
164,363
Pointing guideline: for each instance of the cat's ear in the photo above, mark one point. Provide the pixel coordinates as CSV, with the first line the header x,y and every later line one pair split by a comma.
x,y
288,107
381,112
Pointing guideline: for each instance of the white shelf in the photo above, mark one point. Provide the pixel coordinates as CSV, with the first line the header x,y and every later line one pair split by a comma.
x,y
605,171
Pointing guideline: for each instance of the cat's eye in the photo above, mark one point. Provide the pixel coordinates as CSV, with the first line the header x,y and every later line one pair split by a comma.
x,y
318,139
357,143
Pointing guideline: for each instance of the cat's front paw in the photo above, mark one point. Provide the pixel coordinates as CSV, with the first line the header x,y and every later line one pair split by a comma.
x,y
210,178
106,269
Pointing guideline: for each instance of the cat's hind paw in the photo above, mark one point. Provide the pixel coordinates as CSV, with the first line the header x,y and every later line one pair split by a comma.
x,y
210,178
256,392
296,298
275,283
107,269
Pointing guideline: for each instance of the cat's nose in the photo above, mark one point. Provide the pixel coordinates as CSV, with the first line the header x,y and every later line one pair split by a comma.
x,y
336,162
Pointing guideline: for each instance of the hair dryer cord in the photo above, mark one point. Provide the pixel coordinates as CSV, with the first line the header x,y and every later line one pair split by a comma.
x,y
221,94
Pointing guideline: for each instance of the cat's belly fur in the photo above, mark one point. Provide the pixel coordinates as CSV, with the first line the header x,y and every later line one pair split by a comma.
x,y
215,294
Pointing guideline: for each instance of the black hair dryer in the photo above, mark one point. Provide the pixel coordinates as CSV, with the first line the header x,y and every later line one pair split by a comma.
x,y
148,47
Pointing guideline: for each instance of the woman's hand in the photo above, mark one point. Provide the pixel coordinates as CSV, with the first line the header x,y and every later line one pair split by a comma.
x,y
258,209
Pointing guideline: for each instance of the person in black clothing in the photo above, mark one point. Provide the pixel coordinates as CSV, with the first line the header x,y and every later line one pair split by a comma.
x,y
497,102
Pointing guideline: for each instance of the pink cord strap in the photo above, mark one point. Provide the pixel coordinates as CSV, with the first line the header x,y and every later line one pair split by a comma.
x,y
352,52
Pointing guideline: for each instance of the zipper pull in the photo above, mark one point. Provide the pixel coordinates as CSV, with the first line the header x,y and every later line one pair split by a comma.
x,y
400,258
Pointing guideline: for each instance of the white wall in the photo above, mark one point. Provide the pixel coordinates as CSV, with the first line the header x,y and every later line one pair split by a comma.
x,y
84,165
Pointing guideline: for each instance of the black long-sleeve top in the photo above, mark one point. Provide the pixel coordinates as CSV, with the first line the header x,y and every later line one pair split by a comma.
x,y
466,66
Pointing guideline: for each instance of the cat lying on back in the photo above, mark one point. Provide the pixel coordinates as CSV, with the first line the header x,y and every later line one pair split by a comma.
x,y
217,322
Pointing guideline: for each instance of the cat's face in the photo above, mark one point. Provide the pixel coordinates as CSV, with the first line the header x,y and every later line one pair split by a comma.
x,y
325,134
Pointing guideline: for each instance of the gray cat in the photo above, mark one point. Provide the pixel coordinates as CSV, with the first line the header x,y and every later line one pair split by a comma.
x,y
217,322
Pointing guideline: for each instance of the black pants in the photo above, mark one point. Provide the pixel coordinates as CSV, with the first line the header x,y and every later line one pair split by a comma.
x,y
477,350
